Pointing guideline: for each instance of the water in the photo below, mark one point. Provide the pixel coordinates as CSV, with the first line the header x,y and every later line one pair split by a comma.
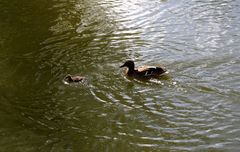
x,y
194,108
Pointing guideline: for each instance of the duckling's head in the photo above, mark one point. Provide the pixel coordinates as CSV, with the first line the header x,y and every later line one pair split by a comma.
x,y
68,78
129,64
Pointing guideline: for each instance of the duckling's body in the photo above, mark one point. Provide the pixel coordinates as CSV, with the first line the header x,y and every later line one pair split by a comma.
x,y
70,79
143,72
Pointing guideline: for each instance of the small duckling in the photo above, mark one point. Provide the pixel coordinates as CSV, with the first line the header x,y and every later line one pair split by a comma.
x,y
70,79
144,72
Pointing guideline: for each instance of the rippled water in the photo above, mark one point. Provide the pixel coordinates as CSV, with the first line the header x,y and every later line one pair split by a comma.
x,y
194,108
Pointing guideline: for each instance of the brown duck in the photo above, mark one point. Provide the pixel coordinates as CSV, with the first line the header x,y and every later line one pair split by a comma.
x,y
143,72
69,78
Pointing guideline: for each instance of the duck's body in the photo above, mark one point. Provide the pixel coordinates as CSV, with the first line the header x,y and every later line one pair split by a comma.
x,y
70,79
143,72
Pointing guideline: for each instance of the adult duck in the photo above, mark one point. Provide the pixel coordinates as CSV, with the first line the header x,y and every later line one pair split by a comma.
x,y
143,72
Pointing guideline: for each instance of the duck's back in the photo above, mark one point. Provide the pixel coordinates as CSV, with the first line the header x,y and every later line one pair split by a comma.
x,y
151,70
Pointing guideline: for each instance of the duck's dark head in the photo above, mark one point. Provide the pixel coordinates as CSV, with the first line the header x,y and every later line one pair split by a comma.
x,y
129,64
68,78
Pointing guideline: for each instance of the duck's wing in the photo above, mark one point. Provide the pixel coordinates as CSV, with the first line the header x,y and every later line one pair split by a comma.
x,y
151,70
77,78
145,68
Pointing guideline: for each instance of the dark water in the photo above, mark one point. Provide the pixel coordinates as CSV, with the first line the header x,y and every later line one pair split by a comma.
x,y
195,108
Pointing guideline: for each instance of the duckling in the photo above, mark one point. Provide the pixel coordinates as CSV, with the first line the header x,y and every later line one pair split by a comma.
x,y
69,78
144,72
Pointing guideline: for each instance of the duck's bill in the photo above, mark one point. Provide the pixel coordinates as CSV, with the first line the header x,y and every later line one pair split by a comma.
x,y
165,73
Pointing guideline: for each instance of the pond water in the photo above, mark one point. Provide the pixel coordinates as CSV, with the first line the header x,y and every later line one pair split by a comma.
x,y
196,107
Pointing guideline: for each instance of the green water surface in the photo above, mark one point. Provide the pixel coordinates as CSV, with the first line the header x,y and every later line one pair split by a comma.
x,y
194,108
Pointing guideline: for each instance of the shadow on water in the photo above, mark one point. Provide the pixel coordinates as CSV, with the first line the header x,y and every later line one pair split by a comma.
x,y
31,114
42,42
26,99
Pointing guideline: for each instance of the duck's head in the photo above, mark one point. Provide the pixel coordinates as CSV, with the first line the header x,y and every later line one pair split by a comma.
x,y
68,78
129,64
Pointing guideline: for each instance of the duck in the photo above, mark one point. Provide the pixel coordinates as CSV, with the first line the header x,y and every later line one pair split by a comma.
x,y
70,79
143,72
